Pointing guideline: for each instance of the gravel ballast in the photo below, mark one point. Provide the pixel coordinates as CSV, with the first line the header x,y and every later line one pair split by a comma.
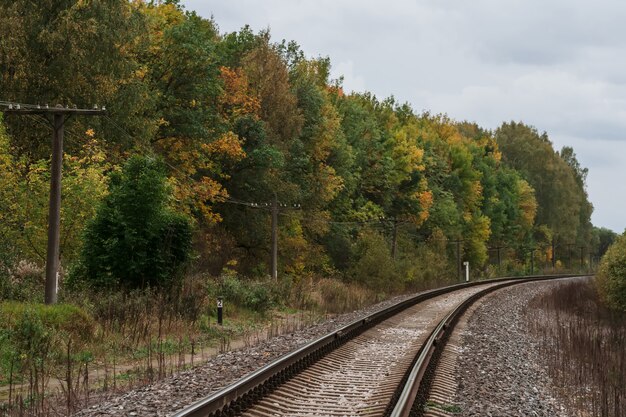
x,y
500,372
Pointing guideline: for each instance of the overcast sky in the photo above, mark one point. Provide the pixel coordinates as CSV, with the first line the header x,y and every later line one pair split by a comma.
x,y
557,65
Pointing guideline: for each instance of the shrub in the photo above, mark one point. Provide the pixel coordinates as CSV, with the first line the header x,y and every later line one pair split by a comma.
x,y
252,295
374,267
135,240
611,278
35,339
66,318
23,282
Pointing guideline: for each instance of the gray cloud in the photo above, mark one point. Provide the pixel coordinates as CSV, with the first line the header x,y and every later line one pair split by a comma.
x,y
558,65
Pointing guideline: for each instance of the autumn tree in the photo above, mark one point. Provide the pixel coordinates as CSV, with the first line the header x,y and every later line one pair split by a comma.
x,y
558,181
194,134
74,53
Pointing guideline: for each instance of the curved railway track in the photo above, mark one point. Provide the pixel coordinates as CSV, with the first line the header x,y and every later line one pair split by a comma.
x,y
377,366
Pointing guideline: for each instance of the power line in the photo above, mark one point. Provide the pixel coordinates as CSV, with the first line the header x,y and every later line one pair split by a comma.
x,y
228,199
24,108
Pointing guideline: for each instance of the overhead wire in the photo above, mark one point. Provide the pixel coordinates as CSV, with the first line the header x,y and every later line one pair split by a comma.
x,y
146,149
230,200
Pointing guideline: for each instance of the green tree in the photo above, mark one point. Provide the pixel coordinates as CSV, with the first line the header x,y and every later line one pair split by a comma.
x,y
603,239
585,229
135,240
611,278
562,202
75,53
24,199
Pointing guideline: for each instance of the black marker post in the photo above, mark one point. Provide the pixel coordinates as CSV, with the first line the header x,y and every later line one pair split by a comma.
x,y
220,305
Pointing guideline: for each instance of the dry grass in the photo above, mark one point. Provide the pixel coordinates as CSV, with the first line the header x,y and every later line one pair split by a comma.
x,y
584,344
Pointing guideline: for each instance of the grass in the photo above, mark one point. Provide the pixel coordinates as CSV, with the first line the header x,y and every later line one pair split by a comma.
x,y
132,342
584,344
449,408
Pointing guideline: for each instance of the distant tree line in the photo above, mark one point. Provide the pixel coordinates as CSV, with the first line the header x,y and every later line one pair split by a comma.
x,y
229,123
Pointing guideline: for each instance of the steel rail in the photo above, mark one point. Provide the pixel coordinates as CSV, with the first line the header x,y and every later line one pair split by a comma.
x,y
413,396
241,394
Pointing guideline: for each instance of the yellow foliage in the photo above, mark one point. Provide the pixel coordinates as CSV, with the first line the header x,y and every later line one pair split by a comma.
x,y
194,186
228,145
25,192
237,99
527,203
426,202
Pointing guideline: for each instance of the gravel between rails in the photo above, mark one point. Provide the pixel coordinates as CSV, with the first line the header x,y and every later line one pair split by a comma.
x,y
171,394
500,372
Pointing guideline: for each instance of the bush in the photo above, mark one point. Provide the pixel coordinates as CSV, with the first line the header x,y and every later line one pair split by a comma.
x,y
135,241
252,295
35,339
66,318
611,278
374,267
24,281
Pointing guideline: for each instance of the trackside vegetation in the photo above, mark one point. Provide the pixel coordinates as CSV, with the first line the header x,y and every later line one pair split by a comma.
x,y
611,278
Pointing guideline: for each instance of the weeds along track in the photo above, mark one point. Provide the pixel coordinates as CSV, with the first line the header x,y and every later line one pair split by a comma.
x,y
377,366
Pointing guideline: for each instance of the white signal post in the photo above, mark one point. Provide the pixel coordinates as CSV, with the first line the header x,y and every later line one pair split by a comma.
x,y
466,264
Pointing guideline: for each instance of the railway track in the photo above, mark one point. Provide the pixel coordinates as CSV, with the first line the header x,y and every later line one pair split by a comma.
x,y
381,365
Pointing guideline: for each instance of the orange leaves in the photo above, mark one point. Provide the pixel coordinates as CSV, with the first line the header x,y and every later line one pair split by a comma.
x,y
197,166
337,90
228,145
426,201
237,100
194,197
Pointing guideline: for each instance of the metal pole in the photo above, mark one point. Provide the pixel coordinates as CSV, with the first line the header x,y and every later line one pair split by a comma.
x,y
275,238
553,255
532,261
54,212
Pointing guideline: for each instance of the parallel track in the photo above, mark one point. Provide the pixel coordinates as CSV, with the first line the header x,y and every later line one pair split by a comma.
x,y
372,367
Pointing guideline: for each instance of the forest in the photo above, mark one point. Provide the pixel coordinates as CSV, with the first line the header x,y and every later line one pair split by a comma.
x,y
369,190
168,198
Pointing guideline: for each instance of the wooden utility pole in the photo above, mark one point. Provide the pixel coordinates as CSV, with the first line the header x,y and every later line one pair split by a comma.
x,y
276,207
394,239
275,238
458,259
498,254
582,261
59,115
569,254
